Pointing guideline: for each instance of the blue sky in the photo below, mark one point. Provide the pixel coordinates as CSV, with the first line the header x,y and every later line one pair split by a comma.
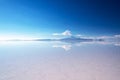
x,y
44,17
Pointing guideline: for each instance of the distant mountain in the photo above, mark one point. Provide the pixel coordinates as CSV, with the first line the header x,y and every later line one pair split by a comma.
x,y
42,40
73,39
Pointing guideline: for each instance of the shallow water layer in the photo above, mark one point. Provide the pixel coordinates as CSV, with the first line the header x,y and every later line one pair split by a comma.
x,y
59,61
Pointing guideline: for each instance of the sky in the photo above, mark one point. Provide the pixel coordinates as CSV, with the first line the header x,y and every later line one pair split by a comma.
x,y
39,18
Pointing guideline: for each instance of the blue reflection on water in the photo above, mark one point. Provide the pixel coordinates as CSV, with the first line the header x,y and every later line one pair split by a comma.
x,y
59,61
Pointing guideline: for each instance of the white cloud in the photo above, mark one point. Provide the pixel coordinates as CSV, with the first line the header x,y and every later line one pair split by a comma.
x,y
65,33
105,37
79,35
109,37
117,36
56,34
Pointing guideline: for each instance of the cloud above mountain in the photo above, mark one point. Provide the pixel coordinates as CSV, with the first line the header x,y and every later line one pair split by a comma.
x,y
65,33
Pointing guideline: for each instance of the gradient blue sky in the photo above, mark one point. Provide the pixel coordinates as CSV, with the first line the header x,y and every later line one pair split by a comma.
x,y
44,17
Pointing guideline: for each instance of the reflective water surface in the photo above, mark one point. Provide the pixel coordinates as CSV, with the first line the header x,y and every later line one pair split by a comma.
x,y
59,61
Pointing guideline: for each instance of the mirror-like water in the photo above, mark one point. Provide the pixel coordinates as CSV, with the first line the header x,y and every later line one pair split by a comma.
x,y
59,61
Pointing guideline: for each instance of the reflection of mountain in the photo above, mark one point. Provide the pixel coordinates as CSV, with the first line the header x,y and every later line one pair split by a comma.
x,y
68,46
65,47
